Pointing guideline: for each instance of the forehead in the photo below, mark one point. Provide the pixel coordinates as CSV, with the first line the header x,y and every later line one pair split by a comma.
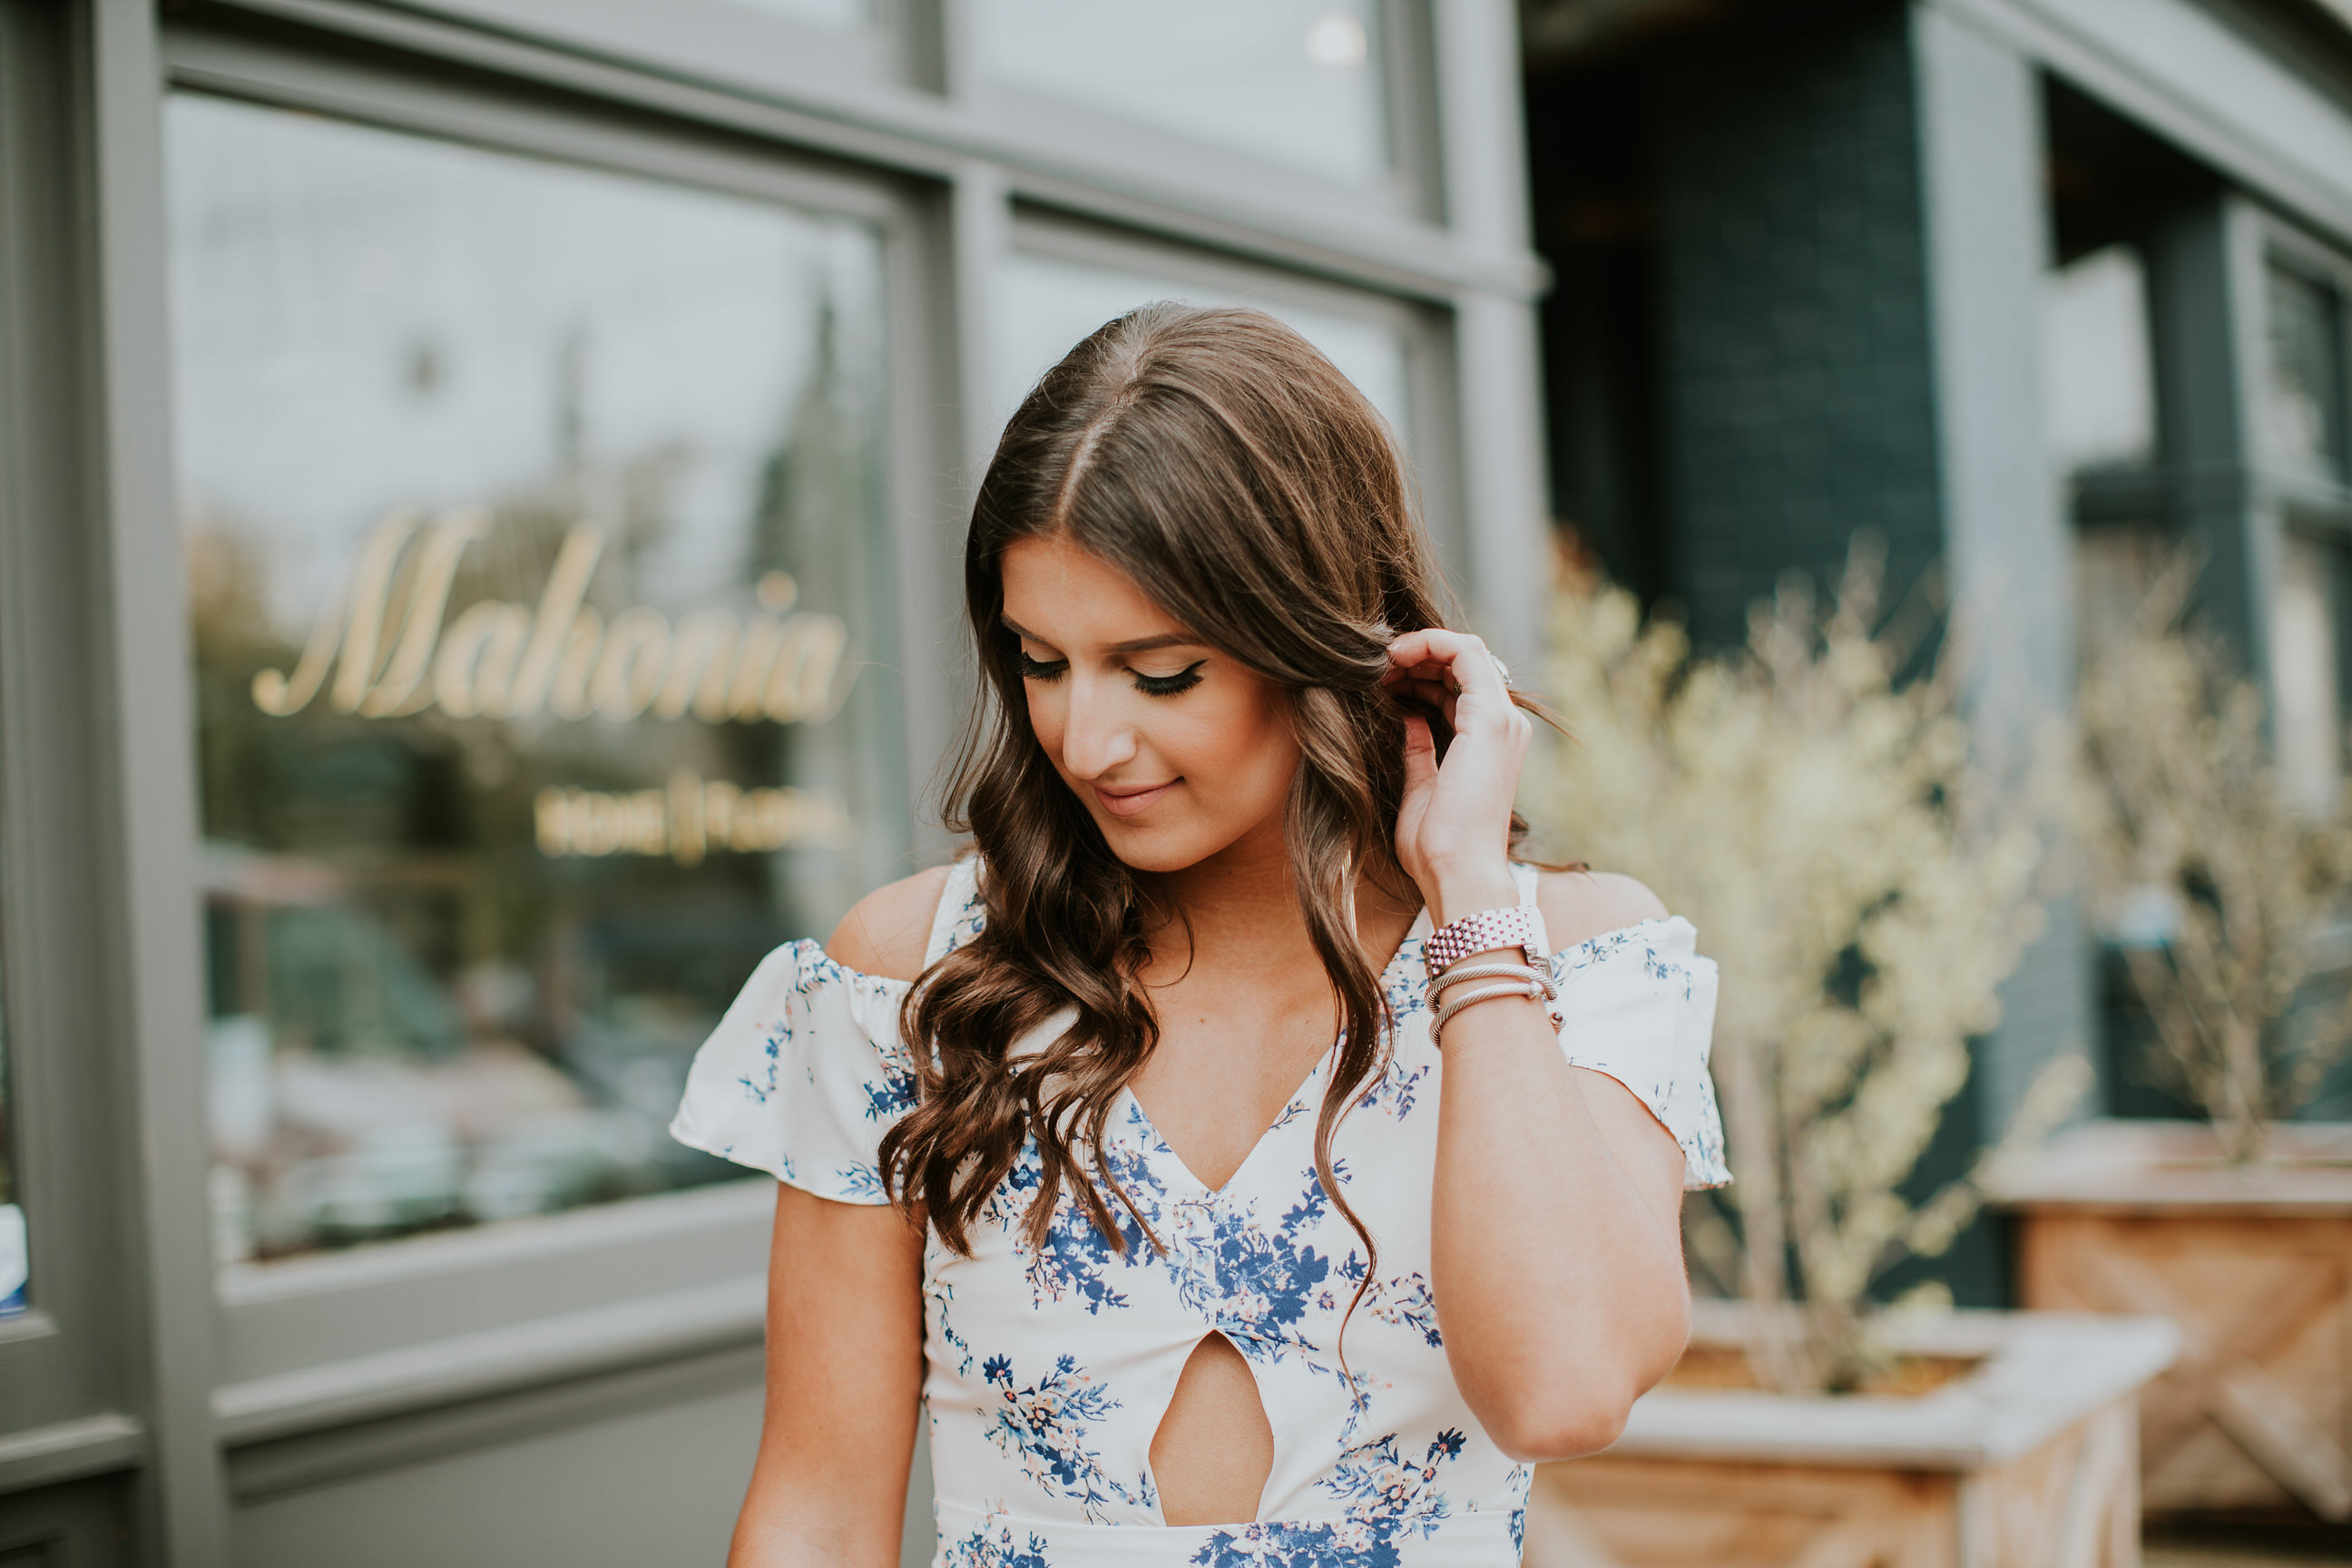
x,y
1059,591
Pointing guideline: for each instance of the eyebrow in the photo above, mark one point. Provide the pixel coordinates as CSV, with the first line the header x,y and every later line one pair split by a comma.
x,y
1133,645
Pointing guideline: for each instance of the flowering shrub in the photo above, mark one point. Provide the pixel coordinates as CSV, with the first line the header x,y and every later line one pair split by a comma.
x,y
1865,888
2218,893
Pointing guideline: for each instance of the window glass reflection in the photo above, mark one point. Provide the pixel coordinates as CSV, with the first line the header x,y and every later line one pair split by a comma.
x,y
1298,81
2303,411
2306,666
2099,383
1047,304
534,556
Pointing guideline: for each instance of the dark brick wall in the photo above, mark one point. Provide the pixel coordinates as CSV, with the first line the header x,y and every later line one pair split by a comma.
x,y
1797,403
1797,398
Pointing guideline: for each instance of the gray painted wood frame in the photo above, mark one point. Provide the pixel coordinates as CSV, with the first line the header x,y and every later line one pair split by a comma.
x,y
66,1408
2009,546
2203,78
321,1344
1179,189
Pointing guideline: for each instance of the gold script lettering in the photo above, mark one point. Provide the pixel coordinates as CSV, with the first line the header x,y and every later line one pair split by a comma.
x,y
400,690
500,660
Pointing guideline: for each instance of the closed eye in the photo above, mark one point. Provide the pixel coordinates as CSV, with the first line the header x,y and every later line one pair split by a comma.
x,y
1038,669
1183,680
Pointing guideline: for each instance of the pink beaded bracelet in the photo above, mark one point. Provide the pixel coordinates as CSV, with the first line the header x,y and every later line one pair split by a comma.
x,y
1520,926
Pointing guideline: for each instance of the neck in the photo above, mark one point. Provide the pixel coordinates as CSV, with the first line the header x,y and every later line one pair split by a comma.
x,y
1240,905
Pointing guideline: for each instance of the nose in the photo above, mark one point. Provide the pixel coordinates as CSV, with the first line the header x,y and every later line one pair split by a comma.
x,y
1096,737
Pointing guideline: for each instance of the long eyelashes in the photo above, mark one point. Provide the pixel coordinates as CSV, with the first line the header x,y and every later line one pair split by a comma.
x,y
1183,680
1174,685
1037,668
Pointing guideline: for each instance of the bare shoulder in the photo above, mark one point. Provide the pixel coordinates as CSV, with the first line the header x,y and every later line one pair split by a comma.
x,y
1580,905
888,931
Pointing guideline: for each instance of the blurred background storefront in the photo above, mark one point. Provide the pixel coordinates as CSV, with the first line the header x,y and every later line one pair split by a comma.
x,y
478,568
2034,290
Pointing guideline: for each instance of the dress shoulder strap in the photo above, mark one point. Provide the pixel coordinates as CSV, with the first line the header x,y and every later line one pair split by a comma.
x,y
1525,876
957,916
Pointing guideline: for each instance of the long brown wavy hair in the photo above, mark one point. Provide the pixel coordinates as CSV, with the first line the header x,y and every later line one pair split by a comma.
x,y
1249,488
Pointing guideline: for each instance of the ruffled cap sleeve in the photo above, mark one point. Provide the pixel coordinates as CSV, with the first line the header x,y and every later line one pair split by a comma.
x,y
803,1075
1639,1004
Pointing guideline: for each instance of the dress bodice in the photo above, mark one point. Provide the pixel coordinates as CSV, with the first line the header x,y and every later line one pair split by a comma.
x,y
1047,1370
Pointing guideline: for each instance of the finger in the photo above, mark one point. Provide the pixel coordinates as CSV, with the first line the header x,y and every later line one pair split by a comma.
x,y
1437,649
1430,694
1470,667
1419,755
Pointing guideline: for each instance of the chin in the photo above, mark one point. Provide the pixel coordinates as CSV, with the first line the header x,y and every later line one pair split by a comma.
x,y
1154,848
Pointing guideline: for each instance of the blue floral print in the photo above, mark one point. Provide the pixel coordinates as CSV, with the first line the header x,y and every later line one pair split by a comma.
x,y
993,1545
1391,1501
1049,1364
1076,1260
1045,1424
1405,1301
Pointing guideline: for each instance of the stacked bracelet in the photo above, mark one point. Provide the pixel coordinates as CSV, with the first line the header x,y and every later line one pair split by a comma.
x,y
1523,980
1520,926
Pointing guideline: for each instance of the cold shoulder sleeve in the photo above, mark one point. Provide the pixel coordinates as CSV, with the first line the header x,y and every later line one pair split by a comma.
x,y
803,1075
1639,1004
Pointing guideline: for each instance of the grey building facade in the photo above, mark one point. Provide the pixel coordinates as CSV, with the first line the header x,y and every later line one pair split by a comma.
x,y
2031,289
481,487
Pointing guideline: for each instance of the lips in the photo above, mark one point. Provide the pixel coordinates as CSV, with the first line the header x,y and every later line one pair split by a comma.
x,y
1127,802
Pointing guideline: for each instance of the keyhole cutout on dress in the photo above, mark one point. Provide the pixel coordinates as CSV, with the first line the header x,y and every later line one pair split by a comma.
x,y
1214,1449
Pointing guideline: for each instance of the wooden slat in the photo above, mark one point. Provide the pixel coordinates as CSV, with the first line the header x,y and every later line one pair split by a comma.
x,y
2264,1304
2272,1427
2070,1503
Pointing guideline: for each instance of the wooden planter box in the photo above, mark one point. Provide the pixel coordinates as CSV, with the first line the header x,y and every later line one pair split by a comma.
x,y
2026,1458
2254,1263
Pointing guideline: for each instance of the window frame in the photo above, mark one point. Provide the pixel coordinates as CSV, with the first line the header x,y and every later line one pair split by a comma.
x,y
715,41
69,1410
928,47
2309,502
329,1340
1409,192
1465,235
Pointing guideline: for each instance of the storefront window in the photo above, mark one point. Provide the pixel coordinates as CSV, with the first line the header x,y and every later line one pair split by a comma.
x,y
2098,376
2306,670
1295,81
1048,304
536,567
2303,412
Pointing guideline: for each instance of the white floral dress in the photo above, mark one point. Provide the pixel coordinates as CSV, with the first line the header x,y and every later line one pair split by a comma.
x,y
1048,1371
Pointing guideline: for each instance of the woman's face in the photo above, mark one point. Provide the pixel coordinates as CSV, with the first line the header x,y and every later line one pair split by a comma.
x,y
1177,750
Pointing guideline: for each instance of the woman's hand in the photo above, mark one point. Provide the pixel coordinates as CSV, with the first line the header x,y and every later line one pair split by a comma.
x,y
1454,831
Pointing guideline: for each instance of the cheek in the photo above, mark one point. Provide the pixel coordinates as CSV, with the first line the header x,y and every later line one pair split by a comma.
x,y
1046,718
1246,747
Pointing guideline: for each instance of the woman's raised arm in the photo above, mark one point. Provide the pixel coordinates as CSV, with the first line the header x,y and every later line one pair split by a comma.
x,y
1556,1253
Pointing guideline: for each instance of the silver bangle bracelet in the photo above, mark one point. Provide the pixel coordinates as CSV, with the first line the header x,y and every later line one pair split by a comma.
x,y
1533,991
1521,972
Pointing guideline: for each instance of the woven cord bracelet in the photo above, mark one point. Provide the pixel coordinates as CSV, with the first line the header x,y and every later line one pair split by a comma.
x,y
1519,972
1533,990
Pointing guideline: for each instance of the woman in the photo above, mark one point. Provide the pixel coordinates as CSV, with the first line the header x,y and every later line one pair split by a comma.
x,y
1124,1146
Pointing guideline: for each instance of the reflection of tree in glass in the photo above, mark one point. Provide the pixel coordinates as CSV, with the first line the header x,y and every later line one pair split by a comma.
x,y
450,1024
816,521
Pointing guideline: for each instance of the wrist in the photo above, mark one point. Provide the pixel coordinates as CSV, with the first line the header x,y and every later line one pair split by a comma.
x,y
1464,889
